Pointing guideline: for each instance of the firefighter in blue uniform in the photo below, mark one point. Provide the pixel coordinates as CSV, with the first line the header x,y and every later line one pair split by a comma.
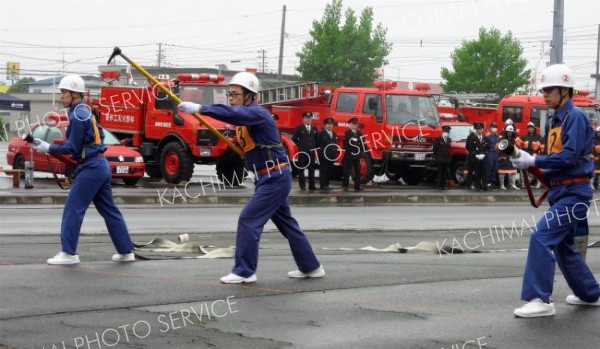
x,y
492,157
266,157
568,166
92,179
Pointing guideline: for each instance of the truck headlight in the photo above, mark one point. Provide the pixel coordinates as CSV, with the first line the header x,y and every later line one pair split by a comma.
x,y
138,159
205,151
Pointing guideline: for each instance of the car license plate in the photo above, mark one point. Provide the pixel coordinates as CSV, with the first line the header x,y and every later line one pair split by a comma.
x,y
122,169
419,157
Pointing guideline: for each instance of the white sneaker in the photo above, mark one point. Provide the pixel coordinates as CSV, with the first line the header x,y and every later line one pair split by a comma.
x,y
127,257
514,187
317,273
535,308
574,300
502,187
62,258
236,279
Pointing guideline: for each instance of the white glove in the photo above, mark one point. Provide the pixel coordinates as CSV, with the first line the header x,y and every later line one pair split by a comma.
x,y
525,160
189,107
41,146
480,156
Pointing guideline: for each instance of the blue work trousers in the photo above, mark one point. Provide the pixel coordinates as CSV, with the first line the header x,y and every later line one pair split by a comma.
x,y
492,168
553,242
270,201
92,184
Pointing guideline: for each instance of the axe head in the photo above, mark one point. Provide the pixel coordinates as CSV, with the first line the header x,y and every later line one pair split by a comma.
x,y
116,51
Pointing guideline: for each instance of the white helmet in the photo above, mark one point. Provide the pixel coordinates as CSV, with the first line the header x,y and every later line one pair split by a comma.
x,y
509,128
557,75
508,122
598,129
246,80
72,83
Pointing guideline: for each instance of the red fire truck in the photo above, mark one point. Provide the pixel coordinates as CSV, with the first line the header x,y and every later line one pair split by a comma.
x,y
521,109
398,126
171,142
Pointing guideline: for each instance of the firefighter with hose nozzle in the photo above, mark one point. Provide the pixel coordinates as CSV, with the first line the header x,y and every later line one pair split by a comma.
x,y
92,179
568,166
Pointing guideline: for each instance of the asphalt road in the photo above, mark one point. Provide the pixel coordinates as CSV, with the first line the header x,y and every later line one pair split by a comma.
x,y
367,299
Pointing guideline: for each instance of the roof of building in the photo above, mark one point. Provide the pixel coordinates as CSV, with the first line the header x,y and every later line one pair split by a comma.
x,y
90,81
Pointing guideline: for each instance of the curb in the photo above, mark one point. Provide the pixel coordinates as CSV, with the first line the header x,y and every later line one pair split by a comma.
x,y
343,199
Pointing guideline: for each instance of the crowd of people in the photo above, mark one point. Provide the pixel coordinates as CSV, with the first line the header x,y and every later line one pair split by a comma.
x,y
487,167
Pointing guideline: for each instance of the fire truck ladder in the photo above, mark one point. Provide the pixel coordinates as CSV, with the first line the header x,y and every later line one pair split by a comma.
x,y
289,93
480,99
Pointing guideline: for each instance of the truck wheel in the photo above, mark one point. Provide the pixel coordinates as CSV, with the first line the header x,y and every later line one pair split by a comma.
x,y
230,169
366,168
393,172
132,181
153,171
176,163
458,172
413,176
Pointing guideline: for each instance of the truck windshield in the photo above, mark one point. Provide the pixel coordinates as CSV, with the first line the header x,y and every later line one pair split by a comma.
x,y
405,109
203,94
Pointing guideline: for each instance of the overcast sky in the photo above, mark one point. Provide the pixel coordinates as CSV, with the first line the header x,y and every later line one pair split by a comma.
x,y
41,35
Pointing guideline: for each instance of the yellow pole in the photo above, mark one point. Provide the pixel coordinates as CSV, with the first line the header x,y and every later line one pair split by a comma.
x,y
178,101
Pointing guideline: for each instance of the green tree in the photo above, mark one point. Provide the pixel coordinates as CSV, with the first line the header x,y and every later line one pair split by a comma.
x,y
492,63
345,54
21,85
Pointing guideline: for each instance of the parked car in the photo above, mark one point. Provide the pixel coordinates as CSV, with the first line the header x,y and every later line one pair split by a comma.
x,y
125,163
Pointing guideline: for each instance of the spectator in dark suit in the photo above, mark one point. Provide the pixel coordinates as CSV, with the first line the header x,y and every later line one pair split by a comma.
x,y
477,145
441,154
328,152
354,149
305,136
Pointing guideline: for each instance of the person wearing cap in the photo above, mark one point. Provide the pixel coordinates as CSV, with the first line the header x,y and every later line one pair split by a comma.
x,y
531,143
505,166
492,157
328,152
266,157
84,142
477,146
354,149
568,166
305,137
441,155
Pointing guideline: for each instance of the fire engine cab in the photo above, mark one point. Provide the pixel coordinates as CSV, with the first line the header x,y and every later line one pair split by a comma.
x,y
398,126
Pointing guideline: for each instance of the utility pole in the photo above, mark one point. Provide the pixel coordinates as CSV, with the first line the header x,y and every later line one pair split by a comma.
x,y
597,75
280,68
558,26
160,55
262,57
